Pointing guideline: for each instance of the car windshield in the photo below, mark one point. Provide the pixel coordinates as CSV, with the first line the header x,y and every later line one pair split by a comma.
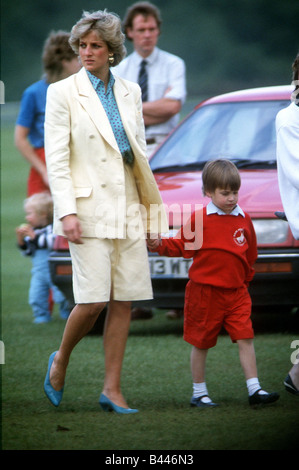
x,y
243,132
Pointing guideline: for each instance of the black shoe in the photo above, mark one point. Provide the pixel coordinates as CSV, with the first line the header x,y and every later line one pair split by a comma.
x,y
201,404
262,399
289,386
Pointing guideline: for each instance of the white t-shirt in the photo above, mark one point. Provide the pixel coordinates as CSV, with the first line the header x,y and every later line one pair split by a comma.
x,y
165,71
287,131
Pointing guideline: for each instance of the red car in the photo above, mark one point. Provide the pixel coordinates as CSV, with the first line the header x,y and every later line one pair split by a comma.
x,y
239,126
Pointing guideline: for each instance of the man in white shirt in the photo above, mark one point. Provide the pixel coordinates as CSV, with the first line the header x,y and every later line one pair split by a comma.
x,y
166,82
163,86
287,131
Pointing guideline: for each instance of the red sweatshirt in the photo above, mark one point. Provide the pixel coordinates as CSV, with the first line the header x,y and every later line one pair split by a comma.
x,y
224,248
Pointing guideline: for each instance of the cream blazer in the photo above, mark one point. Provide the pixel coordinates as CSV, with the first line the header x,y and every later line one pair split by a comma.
x,y
85,166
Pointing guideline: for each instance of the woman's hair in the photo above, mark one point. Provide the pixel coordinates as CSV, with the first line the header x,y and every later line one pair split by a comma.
x,y
107,26
295,68
56,49
221,174
41,203
141,8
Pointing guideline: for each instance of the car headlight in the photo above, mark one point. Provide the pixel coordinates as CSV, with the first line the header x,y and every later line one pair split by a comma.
x,y
270,231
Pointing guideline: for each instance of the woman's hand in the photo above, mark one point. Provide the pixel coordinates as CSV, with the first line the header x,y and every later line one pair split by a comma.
x,y
72,228
153,241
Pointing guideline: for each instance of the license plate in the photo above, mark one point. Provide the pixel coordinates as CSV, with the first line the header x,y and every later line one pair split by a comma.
x,y
169,267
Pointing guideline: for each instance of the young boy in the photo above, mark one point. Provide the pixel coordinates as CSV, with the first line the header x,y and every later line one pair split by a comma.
x,y
36,239
224,250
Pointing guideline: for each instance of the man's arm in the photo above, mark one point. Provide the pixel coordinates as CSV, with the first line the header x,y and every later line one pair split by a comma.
x,y
159,111
27,151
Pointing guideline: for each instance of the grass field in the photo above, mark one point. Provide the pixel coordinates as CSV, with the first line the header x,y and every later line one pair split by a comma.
x,y
156,377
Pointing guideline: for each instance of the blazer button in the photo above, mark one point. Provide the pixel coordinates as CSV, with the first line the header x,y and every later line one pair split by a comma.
x,y
91,136
103,185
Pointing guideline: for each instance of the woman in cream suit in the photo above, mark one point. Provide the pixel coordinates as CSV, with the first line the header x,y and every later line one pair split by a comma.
x,y
105,198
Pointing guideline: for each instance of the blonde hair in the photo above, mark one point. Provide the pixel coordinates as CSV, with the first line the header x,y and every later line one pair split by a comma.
x,y
108,27
41,203
221,174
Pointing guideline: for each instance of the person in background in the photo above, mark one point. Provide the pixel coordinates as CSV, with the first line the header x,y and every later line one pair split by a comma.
x,y
59,61
104,196
35,239
291,382
287,152
162,78
287,133
160,74
222,242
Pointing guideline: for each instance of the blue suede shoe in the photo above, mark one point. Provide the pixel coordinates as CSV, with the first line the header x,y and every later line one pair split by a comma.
x,y
53,395
108,405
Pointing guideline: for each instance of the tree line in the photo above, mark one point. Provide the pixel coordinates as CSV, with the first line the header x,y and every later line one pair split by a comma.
x,y
226,44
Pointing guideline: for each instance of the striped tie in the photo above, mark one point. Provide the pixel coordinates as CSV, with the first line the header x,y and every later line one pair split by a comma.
x,y
142,80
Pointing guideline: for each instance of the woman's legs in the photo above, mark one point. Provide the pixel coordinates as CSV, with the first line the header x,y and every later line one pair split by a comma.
x,y
79,323
81,320
115,338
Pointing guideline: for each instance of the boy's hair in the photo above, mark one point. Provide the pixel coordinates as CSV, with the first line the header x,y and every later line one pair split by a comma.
x,y
221,174
42,203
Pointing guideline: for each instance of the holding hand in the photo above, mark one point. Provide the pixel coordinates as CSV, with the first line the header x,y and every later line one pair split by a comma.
x,y
153,241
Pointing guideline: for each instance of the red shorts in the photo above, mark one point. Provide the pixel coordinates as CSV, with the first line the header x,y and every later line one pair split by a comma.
x,y
208,309
35,182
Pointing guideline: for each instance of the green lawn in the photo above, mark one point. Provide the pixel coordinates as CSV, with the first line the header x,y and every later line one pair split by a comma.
x,y
156,376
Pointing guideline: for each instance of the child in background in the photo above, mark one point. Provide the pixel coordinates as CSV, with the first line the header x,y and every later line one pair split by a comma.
x,y
36,239
222,242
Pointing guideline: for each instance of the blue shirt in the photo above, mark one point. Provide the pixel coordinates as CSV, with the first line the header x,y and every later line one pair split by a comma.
x,y
32,112
110,106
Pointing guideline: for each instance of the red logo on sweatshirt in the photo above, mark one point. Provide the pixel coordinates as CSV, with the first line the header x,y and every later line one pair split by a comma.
x,y
239,237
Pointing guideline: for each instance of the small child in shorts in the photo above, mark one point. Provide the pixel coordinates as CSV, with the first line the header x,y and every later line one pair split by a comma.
x,y
222,242
36,239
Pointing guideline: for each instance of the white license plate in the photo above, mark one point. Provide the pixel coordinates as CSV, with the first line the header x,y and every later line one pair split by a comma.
x,y
169,267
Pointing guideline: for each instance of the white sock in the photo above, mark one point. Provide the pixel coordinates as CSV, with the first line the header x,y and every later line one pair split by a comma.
x,y
253,386
199,390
